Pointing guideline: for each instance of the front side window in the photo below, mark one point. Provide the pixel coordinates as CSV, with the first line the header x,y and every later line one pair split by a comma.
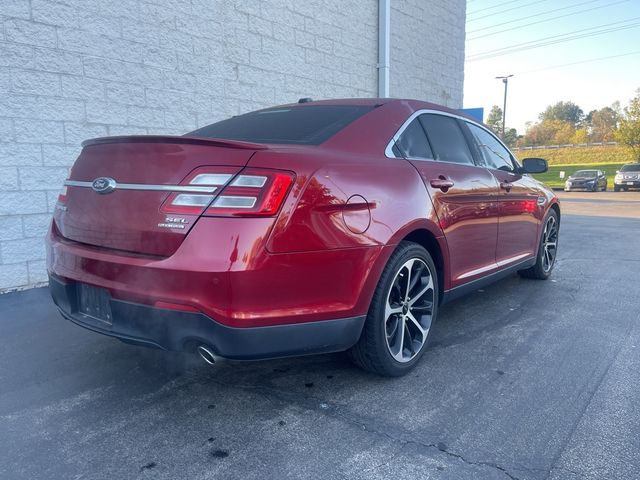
x,y
494,154
413,143
446,138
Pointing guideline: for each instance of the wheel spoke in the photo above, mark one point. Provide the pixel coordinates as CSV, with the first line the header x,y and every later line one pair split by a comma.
x,y
424,290
409,267
390,310
423,331
400,341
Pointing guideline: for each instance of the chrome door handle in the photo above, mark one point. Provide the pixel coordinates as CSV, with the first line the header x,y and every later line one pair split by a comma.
x,y
441,183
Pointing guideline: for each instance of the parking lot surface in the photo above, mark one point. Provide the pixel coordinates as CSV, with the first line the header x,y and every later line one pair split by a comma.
x,y
524,380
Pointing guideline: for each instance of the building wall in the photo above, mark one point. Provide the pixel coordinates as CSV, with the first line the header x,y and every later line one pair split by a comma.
x,y
427,50
76,69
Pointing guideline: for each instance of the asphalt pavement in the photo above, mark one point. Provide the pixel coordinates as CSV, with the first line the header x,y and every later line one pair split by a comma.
x,y
524,380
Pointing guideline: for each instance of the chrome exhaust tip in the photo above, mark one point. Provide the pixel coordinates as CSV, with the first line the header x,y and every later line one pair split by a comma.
x,y
206,354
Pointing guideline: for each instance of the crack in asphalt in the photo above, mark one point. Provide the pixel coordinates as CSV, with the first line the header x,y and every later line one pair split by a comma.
x,y
312,403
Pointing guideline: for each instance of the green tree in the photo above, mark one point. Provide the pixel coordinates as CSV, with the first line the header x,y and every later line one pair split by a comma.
x,y
565,112
550,132
510,137
494,120
602,123
628,132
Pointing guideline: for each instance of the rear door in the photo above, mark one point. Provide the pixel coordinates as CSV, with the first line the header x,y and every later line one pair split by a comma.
x,y
519,224
463,194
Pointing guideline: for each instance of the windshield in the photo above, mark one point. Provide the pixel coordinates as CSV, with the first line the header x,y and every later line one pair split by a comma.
x,y
632,167
585,173
305,125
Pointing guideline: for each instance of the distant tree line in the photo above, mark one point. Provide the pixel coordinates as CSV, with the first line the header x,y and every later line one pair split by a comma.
x,y
566,123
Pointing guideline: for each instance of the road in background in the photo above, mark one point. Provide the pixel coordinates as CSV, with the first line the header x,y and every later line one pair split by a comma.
x,y
601,204
524,380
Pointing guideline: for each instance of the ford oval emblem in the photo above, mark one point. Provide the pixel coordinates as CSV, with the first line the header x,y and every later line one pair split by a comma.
x,y
104,185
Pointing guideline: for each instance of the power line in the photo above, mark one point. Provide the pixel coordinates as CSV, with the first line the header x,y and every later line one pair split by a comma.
x,y
590,60
506,10
544,44
541,42
541,14
493,6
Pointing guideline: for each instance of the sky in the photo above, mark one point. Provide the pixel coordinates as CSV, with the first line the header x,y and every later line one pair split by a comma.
x,y
541,76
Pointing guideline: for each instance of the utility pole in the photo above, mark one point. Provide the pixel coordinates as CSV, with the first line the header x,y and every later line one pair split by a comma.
x,y
505,80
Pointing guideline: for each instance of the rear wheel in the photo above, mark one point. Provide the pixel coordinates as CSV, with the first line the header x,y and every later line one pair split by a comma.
x,y
402,311
547,251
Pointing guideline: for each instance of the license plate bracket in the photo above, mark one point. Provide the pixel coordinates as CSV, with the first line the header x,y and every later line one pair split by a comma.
x,y
95,303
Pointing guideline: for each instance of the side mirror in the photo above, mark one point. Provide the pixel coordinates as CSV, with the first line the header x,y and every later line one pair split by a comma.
x,y
534,165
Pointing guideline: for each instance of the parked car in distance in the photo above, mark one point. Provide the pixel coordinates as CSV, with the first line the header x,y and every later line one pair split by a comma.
x,y
590,180
305,228
627,177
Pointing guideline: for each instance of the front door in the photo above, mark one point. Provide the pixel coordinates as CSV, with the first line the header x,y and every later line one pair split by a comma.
x,y
519,209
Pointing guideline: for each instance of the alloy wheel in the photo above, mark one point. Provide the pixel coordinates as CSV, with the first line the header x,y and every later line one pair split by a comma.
x,y
409,310
549,243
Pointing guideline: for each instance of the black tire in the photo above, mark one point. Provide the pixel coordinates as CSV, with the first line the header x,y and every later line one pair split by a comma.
x,y
541,270
373,350
616,188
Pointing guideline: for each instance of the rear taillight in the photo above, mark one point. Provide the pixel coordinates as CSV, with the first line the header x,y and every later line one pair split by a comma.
x,y
62,196
254,192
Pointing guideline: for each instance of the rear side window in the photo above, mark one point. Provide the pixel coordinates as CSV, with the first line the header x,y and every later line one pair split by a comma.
x,y
446,138
304,125
413,142
494,154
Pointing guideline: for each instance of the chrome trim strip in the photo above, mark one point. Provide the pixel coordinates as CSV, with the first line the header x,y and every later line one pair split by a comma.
x,y
499,264
147,187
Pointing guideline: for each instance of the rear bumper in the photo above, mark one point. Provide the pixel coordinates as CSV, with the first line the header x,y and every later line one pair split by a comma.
x,y
183,331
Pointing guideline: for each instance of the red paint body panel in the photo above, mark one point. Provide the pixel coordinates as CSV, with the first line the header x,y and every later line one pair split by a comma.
x,y
320,257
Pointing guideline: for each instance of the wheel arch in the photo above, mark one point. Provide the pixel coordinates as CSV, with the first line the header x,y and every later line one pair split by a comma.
x,y
430,243
555,206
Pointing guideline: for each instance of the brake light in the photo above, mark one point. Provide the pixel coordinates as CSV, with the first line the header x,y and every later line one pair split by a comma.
x,y
254,192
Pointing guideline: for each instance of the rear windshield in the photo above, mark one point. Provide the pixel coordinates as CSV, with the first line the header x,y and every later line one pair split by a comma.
x,y
585,173
307,125
634,167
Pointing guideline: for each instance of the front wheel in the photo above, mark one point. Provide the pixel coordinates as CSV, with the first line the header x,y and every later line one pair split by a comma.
x,y
547,250
403,308
616,188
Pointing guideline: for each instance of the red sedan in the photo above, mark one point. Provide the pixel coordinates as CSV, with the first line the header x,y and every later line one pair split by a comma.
x,y
305,228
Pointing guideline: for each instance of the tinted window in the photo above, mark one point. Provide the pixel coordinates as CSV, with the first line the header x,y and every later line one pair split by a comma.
x,y
494,154
634,167
446,138
585,173
413,142
307,125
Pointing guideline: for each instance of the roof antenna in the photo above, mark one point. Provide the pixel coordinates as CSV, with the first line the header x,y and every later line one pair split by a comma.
x,y
305,100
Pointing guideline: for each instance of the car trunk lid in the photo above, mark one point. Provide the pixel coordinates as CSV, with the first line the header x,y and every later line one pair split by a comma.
x,y
118,185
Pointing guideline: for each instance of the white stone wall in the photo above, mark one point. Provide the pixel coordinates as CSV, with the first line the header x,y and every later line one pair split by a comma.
x,y
76,69
427,50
